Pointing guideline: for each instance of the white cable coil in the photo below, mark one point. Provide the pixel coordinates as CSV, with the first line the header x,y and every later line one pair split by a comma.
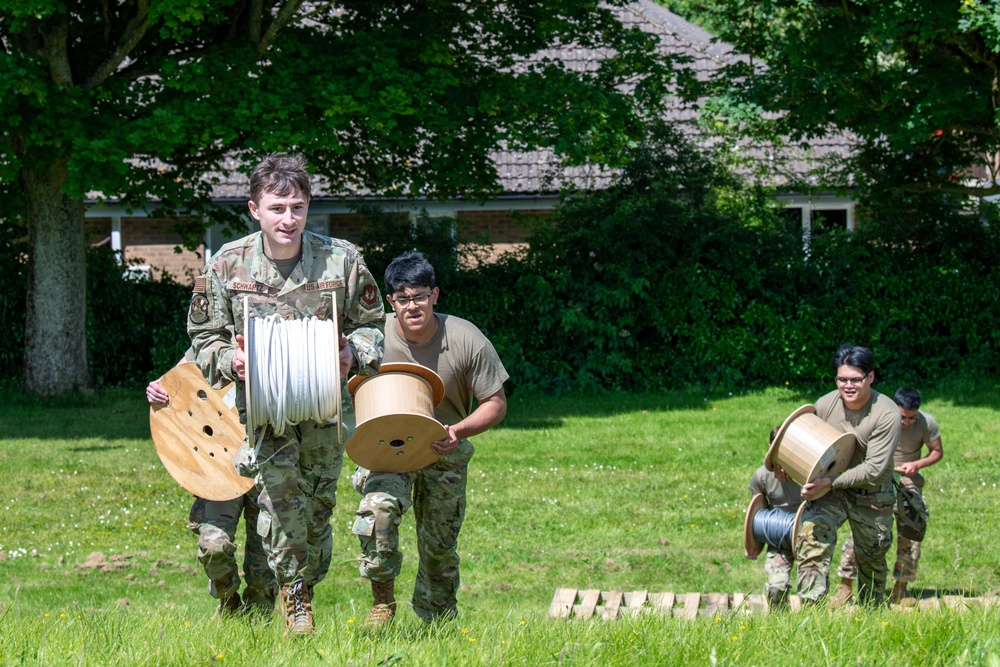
x,y
291,371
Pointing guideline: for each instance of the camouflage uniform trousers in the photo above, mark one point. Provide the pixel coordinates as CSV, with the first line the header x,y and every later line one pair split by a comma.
x,y
215,522
870,516
907,551
297,475
437,495
778,568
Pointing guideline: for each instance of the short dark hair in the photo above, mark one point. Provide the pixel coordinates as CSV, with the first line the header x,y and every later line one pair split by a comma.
x,y
856,356
907,398
411,269
281,175
774,434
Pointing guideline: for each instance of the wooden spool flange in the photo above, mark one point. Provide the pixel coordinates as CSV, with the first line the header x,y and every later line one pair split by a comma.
x,y
197,434
395,418
806,447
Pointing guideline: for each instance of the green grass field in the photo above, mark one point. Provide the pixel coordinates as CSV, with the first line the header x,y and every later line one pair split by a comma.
x,y
629,492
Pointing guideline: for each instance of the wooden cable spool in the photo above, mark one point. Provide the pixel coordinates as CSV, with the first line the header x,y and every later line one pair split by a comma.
x,y
197,434
806,447
250,360
395,418
755,540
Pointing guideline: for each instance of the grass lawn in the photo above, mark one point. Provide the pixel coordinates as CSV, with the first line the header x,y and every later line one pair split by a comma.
x,y
628,492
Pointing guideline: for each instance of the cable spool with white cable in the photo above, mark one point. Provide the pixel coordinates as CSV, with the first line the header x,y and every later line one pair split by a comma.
x,y
292,371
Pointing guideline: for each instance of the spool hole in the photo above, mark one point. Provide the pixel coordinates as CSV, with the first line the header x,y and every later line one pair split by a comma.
x,y
208,430
831,466
202,395
397,443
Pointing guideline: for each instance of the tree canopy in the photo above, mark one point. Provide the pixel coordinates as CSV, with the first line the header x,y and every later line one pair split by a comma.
x,y
144,101
917,79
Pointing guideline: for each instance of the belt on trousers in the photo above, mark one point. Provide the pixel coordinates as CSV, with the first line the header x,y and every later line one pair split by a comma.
x,y
872,492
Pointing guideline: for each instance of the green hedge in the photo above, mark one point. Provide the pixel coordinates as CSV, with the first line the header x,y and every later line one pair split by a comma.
x,y
679,277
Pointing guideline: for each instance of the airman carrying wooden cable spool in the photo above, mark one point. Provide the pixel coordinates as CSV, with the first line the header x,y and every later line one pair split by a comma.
x,y
286,271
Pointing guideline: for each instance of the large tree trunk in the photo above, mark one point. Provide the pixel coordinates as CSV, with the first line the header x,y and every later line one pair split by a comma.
x,y
55,343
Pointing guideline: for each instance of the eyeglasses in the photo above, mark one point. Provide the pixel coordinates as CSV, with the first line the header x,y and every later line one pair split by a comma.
x,y
852,381
404,301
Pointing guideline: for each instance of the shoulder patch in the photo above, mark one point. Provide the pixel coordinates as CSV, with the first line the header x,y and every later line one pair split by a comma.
x,y
199,285
369,297
198,310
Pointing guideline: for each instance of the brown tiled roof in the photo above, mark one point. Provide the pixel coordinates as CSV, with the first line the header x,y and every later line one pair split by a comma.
x,y
787,165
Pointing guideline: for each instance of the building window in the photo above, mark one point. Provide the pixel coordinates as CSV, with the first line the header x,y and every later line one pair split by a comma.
x,y
823,220
318,224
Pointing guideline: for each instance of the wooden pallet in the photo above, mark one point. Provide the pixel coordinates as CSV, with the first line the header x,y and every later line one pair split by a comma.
x,y
609,605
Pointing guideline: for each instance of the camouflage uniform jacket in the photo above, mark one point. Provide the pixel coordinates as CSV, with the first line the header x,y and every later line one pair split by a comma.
x,y
241,269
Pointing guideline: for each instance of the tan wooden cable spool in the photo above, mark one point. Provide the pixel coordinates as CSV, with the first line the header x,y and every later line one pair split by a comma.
x,y
806,447
753,542
197,434
395,418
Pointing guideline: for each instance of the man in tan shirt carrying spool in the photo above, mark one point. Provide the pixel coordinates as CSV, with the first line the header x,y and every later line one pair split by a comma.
x,y
474,402
863,494
919,429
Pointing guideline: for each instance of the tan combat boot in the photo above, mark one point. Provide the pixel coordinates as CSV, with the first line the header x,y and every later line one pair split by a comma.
x,y
295,601
383,605
845,591
228,607
898,592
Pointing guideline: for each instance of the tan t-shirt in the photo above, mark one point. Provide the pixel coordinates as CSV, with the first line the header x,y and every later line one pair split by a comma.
x,y
460,354
915,436
877,426
785,496
912,440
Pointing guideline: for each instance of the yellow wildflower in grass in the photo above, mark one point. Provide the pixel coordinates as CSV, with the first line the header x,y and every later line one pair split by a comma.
x,y
522,622
717,619
187,624
465,631
350,620
735,637
472,639
62,615
884,623
46,616
220,657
